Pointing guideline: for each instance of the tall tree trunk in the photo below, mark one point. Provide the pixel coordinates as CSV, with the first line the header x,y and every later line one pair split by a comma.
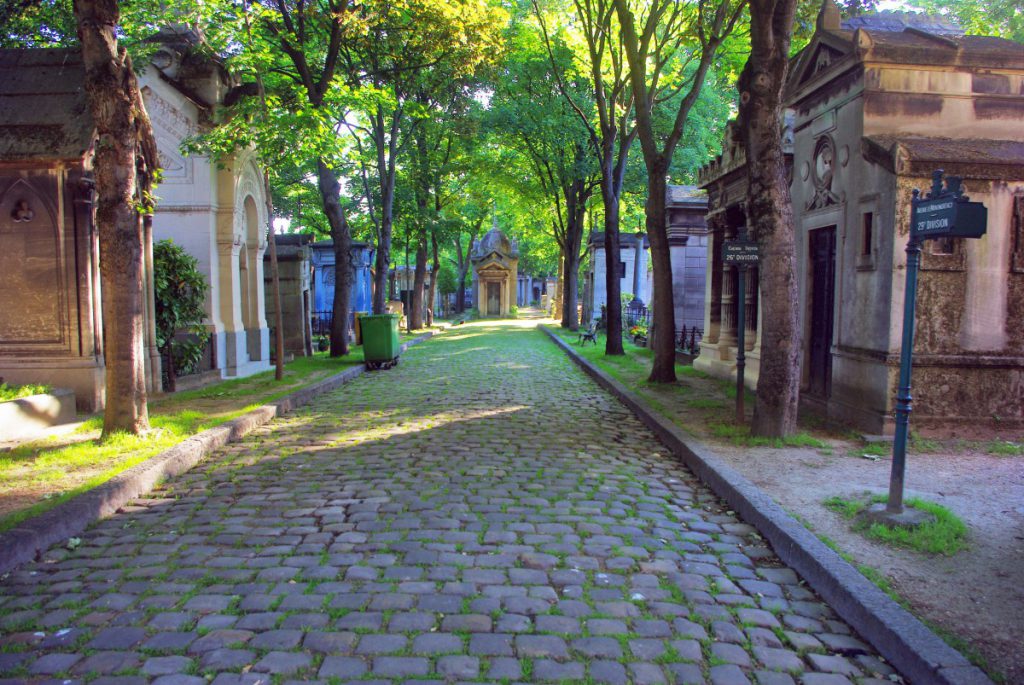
x,y
663,369
382,260
432,296
121,127
387,148
556,299
770,215
419,284
575,210
275,280
342,238
612,257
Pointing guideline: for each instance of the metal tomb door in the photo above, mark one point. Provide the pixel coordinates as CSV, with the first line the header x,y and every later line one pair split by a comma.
x,y
493,299
822,282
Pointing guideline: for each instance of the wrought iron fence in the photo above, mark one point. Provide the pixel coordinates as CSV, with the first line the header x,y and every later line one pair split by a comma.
x,y
632,315
689,339
321,323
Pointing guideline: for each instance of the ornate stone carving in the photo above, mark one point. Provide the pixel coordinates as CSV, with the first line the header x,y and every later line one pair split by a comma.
x,y
171,127
823,165
22,212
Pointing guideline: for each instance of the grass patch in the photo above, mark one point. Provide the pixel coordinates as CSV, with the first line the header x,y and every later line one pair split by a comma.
x,y
739,434
1005,448
14,392
696,402
705,403
947,535
873,449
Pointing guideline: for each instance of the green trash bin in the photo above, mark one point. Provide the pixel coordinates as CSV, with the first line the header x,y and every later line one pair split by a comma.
x,y
380,340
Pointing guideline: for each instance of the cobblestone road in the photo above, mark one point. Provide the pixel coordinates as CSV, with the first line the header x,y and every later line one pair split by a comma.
x,y
482,513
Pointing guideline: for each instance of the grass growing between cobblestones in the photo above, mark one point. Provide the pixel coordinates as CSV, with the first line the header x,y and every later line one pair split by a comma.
x,y
39,475
947,535
697,403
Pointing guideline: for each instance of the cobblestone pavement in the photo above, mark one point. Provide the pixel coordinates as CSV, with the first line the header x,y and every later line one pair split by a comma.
x,y
481,513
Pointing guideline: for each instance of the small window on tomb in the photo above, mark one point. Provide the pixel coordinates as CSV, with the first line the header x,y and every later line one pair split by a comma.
x,y
866,247
622,269
867,231
942,246
1017,235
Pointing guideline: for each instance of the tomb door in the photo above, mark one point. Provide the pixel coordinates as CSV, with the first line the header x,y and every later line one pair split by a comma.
x,y
493,298
822,282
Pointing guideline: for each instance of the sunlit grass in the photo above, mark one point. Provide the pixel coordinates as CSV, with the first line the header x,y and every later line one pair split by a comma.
x,y
739,434
946,535
14,392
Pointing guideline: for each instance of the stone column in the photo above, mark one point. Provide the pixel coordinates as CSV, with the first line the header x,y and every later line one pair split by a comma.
x,y
727,316
713,292
236,351
639,270
154,375
751,309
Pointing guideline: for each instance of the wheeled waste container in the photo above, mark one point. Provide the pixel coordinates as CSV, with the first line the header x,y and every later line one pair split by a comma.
x,y
380,340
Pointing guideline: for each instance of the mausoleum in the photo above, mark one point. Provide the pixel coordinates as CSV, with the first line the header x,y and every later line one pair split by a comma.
x,y
51,318
216,211
877,104
495,261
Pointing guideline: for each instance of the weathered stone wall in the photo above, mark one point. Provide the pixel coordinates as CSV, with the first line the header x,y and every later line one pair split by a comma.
x,y
219,216
49,277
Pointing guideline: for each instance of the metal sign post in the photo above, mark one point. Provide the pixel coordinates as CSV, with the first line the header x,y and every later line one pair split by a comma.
x,y
742,253
943,213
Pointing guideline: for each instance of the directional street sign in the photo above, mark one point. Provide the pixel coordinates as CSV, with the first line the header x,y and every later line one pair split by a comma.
x,y
740,252
947,213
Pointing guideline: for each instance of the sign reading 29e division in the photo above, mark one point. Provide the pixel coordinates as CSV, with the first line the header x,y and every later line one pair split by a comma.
x,y
948,213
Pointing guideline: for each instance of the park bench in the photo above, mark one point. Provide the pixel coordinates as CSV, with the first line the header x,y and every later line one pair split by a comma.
x,y
589,334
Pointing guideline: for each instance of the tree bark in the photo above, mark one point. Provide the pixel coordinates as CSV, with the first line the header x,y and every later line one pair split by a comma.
x,y
432,296
121,128
612,257
330,195
275,280
575,210
387,148
556,301
419,284
663,343
770,215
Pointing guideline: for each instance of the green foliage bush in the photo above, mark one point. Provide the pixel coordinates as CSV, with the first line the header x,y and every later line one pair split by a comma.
x,y
180,289
14,392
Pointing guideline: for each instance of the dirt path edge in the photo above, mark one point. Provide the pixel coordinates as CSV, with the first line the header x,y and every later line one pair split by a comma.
x,y
914,650
35,535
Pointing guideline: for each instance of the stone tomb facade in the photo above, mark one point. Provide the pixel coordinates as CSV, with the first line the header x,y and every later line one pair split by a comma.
x,y
495,261
217,212
686,224
51,318
725,180
294,268
361,297
688,240
878,103
634,278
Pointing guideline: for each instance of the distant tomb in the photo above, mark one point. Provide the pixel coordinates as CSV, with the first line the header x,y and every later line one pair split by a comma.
x,y
495,261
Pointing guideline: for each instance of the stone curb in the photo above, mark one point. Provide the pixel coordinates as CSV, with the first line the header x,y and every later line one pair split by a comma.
x,y
914,650
35,535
